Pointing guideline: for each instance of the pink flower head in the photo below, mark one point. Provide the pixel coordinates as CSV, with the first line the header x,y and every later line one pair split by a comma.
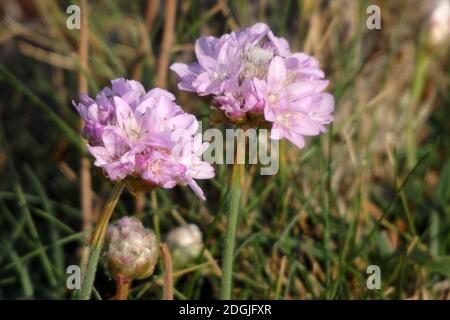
x,y
253,73
135,135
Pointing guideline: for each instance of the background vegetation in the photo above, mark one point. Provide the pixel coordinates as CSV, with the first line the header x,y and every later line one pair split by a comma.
x,y
374,190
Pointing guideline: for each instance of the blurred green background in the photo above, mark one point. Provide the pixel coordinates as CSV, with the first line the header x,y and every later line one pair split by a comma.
x,y
375,190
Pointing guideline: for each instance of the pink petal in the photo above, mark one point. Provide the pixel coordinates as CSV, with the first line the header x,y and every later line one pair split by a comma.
x,y
296,139
123,112
297,90
205,46
101,155
194,186
276,74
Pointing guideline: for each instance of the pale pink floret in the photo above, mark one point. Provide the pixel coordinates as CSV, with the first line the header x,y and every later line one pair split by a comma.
x,y
116,155
306,117
277,89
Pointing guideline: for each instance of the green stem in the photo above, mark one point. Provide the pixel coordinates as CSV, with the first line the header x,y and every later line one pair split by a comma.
x,y
98,238
327,213
233,207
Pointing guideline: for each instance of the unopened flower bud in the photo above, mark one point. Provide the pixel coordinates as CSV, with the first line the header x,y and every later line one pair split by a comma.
x,y
185,244
131,250
440,22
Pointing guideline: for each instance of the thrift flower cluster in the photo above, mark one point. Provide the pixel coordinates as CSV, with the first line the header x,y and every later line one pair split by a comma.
x,y
253,74
144,137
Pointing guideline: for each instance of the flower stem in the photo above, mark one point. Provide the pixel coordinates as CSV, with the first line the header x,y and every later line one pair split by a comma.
x,y
233,214
98,237
168,273
122,287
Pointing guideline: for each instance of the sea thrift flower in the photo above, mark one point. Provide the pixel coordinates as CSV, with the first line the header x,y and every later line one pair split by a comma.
x,y
185,243
131,251
252,74
143,137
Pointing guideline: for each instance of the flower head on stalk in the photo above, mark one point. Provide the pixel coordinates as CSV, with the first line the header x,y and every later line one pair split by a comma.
x,y
252,74
130,250
141,137
185,243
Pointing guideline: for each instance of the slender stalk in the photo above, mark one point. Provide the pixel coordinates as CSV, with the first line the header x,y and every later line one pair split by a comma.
x,y
144,50
122,287
233,214
167,42
280,278
85,164
328,205
168,273
85,176
97,241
